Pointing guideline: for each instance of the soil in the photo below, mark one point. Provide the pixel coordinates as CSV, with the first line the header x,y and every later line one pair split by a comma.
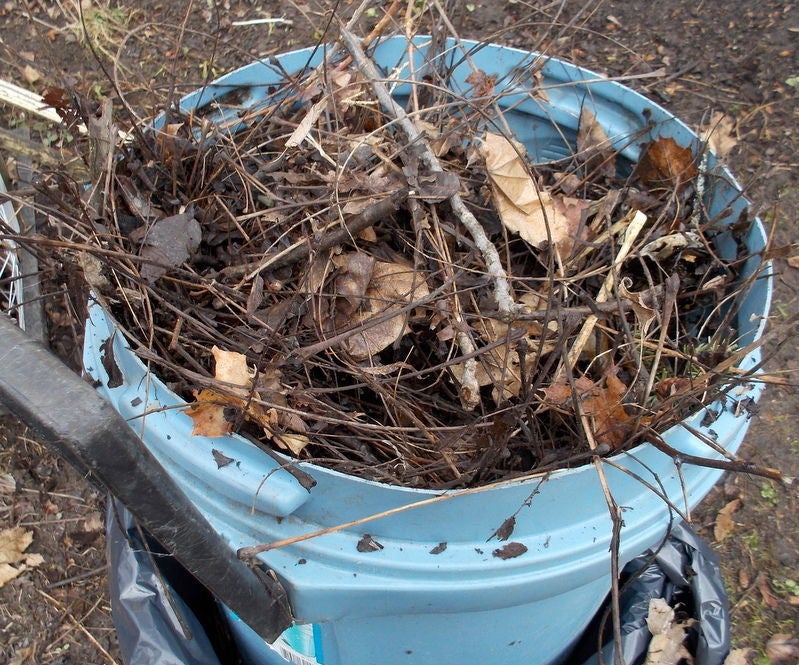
x,y
739,58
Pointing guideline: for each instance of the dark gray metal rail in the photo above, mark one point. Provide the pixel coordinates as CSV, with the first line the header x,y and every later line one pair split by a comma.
x,y
86,431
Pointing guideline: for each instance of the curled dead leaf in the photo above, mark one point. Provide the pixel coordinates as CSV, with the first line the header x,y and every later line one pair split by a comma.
x,y
665,164
724,522
168,242
524,208
644,313
594,149
389,287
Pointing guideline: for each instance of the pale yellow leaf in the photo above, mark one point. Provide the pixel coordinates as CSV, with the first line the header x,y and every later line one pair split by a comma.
x,y
30,74
231,367
306,124
293,442
13,542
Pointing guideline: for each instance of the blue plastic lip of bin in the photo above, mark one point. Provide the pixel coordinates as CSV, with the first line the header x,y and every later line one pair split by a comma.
x,y
559,555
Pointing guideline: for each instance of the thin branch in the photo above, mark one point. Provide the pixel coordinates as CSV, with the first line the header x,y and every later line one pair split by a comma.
x,y
418,146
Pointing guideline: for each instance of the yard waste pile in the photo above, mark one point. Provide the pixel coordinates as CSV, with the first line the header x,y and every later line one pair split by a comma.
x,y
443,332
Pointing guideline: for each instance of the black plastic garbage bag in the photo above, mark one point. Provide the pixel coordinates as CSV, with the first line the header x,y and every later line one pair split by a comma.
x,y
684,572
162,616
150,596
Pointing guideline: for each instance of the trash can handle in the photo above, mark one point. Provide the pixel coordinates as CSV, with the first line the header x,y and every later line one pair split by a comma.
x,y
86,431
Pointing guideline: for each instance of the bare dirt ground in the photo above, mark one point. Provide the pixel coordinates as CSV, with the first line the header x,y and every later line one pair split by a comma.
x,y
738,58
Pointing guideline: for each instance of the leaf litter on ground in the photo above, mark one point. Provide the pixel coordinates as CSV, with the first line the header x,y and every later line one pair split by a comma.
x,y
323,278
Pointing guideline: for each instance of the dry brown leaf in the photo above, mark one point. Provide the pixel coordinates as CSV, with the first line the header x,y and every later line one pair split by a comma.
x,y
720,134
557,394
208,412
663,247
482,84
354,278
524,208
307,123
638,300
793,261
392,286
724,522
665,164
605,408
169,242
763,586
293,442
13,543
674,385
498,367
594,149
738,657
782,648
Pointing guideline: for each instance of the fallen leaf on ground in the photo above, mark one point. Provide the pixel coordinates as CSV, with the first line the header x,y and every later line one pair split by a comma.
x,y
666,164
720,134
782,648
31,74
763,586
738,657
13,543
724,522
793,261
524,208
